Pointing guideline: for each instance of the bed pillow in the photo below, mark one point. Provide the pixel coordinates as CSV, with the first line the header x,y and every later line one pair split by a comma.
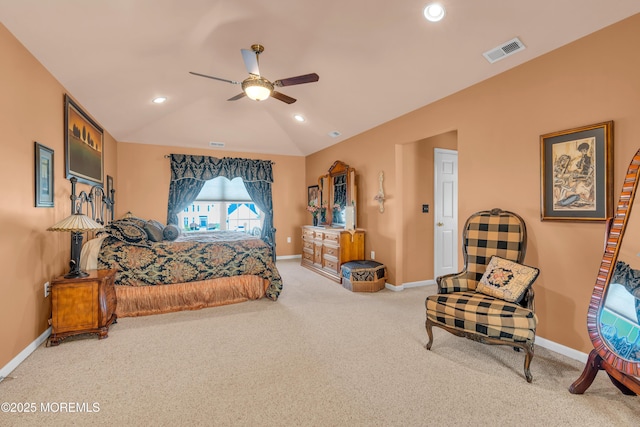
x,y
127,232
506,279
154,232
132,219
171,232
157,223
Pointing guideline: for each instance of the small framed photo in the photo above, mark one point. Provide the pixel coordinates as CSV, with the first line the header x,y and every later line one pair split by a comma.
x,y
43,176
313,196
109,186
577,173
83,145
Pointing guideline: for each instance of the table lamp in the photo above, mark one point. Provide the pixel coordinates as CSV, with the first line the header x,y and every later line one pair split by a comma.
x,y
77,224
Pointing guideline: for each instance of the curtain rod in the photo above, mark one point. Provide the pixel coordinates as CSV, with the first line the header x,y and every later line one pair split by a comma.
x,y
168,156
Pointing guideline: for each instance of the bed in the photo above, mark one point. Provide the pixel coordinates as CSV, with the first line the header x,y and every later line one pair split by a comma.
x,y
166,272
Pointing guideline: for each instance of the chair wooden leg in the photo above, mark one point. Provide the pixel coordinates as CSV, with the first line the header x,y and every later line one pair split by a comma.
x,y
527,361
427,325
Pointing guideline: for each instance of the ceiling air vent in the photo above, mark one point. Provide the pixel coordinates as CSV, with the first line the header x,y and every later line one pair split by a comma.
x,y
216,144
504,50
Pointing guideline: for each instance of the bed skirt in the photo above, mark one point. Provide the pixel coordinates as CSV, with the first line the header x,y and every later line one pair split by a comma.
x,y
145,300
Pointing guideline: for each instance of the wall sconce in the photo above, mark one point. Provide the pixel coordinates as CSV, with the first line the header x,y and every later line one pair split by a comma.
x,y
380,196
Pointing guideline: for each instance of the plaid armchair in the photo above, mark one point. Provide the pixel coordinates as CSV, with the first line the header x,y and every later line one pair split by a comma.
x,y
492,315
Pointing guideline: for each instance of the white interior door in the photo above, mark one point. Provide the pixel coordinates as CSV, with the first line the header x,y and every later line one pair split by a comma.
x,y
445,211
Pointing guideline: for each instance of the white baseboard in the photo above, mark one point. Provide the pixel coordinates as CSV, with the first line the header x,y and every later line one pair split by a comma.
x,y
409,285
282,257
561,349
13,364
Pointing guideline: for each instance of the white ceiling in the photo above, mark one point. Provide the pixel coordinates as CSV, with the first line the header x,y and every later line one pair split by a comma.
x,y
377,60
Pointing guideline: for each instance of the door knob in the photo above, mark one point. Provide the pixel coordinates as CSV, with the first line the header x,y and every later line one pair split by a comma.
x,y
440,224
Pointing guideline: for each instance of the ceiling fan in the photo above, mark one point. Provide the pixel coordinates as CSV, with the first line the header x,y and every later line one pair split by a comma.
x,y
257,87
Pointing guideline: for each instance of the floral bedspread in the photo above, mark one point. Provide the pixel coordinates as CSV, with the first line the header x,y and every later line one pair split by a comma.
x,y
192,257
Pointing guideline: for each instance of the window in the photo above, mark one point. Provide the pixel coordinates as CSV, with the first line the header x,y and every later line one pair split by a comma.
x,y
243,217
228,207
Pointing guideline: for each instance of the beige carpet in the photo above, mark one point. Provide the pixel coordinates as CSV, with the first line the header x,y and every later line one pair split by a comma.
x,y
320,356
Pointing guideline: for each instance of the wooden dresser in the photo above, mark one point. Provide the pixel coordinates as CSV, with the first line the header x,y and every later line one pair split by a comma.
x,y
83,305
324,250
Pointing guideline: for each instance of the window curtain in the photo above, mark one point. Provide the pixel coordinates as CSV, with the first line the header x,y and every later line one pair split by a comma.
x,y
182,193
189,173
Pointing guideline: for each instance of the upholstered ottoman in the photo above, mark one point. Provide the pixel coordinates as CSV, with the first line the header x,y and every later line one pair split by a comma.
x,y
363,276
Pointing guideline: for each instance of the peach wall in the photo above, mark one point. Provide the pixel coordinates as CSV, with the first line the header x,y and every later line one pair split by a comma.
x,y
143,187
498,123
31,109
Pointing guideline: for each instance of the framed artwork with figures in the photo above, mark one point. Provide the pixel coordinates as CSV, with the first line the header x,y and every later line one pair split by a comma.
x,y
577,173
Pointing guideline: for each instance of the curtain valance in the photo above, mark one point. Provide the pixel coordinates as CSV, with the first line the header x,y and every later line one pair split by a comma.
x,y
205,168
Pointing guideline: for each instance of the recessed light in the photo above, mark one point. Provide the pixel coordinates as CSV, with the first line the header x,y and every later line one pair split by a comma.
x,y
434,12
299,118
334,134
159,100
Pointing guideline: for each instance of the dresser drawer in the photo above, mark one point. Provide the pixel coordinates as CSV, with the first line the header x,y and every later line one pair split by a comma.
x,y
331,265
307,245
331,251
307,256
332,238
307,234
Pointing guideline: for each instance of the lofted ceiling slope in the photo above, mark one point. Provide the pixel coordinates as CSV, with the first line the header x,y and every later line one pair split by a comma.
x,y
376,61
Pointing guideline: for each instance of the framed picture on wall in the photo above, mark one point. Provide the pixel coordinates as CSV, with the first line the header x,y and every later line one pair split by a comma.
x,y
109,185
577,173
109,188
84,156
43,176
313,196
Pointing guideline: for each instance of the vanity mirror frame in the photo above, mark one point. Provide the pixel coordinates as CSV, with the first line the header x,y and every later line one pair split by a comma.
x,y
623,373
327,187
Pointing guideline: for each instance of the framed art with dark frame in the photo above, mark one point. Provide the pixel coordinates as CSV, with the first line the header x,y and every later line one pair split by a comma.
x,y
577,173
43,176
109,187
84,139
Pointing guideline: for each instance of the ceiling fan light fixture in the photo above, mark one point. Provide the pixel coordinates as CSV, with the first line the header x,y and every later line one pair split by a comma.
x,y
257,88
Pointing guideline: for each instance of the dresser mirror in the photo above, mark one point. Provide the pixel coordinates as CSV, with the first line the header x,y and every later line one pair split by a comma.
x,y
613,319
339,195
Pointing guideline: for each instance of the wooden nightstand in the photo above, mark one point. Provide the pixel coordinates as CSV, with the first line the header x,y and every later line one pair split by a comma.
x,y
83,305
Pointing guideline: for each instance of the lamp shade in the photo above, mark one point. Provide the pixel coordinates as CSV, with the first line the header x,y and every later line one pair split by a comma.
x,y
76,222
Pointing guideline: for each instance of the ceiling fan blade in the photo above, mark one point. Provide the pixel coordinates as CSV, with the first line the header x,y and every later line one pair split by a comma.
x,y
298,80
282,97
250,59
214,78
238,96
